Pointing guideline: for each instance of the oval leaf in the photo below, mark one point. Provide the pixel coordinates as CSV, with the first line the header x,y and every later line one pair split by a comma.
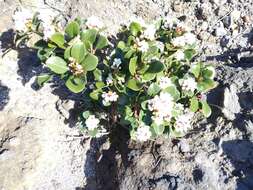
x,y
75,85
155,67
132,65
78,51
57,65
89,35
135,28
72,29
90,62
43,78
134,85
58,39
194,104
101,42
206,109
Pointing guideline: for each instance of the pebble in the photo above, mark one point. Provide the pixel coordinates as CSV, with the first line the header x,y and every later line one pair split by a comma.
x,y
220,31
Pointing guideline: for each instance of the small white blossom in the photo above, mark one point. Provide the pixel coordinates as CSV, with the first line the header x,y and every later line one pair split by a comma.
x,y
150,31
109,97
183,122
169,22
165,82
143,46
162,106
94,22
121,80
91,86
116,63
109,79
178,41
190,38
160,46
22,20
143,133
179,55
92,122
188,84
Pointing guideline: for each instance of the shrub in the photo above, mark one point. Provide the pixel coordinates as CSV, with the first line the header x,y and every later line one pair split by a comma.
x,y
147,84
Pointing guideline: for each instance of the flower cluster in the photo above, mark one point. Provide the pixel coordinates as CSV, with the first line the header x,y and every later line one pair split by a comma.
x,y
148,83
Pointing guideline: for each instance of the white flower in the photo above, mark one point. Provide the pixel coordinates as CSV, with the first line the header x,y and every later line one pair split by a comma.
x,y
161,106
143,133
169,22
188,84
22,20
94,22
47,16
150,31
183,122
190,38
116,63
165,82
91,86
179,55
109,79
160,46
178,41
143,46
48,31
109,97
92,122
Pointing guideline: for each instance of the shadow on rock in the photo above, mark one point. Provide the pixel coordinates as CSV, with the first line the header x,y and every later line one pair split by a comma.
x,y
240,153
4,96
106,161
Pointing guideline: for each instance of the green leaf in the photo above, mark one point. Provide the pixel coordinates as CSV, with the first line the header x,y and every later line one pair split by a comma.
x,y
101,42
57,65
90,62
94,94
148,76
72,29
89,35
153,89
44,54
206,85
134,85
135,28
159,129
132,65
195,70
86,114
58,39
43,78
97,74
155,67
189,54
67,53
172,90
129,54
206,108
75,84
194,104
100,84
78,51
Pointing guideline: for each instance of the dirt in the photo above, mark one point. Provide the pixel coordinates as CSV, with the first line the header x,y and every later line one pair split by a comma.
x,y
216,154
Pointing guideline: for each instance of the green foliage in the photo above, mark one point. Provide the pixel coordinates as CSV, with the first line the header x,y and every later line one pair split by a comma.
x,y
148,82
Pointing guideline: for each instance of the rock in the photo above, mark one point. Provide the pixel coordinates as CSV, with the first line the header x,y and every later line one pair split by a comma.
x,y
220,31
231,103
224,41
184,146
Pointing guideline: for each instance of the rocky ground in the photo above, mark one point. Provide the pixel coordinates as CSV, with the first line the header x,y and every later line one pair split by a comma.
x,y
40,149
